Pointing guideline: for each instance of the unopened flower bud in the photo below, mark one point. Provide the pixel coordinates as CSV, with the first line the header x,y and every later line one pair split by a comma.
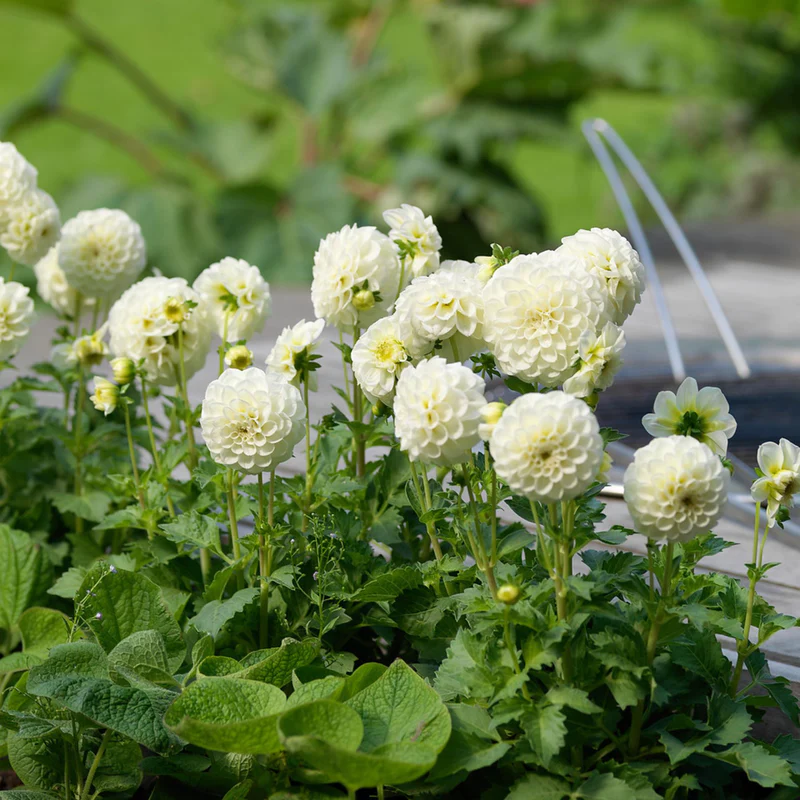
x,y
490,416
239,357
124,370
508,594
90,350
363,300
106,395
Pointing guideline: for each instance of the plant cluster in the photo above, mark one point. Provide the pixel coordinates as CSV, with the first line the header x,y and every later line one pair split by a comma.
x,y
419,612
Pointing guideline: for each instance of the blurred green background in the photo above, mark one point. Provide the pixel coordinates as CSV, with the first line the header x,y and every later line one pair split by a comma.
x,y
254,128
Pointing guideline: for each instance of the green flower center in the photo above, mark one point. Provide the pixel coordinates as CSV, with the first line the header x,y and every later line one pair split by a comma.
x,y
691,424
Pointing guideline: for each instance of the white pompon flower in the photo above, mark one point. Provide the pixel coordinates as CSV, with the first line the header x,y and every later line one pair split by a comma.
x,y
417,239
292,350
675,489
779,481
355,261
609,255
535,313
106,395
446,306
599,361
547,447
701,414
31,227
102,252
16,317
251,421
144,326
52,286
379,357
237,298
437,411
17,178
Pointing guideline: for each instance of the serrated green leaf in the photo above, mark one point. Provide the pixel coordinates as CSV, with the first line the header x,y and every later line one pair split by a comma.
x,y
198,530
389,585
573,697
546,731
761,766
541,787
603,787
465,752
215,615
92,506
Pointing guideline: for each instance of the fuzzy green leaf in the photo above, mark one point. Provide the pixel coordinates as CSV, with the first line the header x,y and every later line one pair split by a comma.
x,y
215,615
26,575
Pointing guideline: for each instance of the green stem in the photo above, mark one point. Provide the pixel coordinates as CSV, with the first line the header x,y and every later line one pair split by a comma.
x,y
132,453
234,523
265,556
98,757
309,477
346,376
187,408
77,426
358,415
154,447
223,346
76,323
512,648
480,554
425,502
493,504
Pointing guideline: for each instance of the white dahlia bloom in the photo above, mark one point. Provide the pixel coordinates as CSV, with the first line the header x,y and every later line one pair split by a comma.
x,y
30,228
293,349
490,416
779,481
445,307
52,286
16,317
102,252
379,357
535,313
144,325
355,261
702,414
237,298
17,178
599,361
609,256
251,421
675,489
437,411
547,447
417,239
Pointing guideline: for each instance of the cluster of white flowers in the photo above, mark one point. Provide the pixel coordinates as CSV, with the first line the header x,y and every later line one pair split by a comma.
x,y
292,350
16,316
29,218
417,239
251,421
145,324
236,297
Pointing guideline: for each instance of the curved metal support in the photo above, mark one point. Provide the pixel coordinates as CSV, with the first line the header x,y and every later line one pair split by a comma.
x,y
641,244
598,127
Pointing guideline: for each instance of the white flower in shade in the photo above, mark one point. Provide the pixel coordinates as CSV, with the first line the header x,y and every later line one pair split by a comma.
x,y
609,256
106,395
239,357
102,252
51,283
237,298
251,421
31,227
534,316
89,350
293,349
379,356
490,416
354,261
547,447
675,489
417,239
600,360
445,307
437,411
16,317
144,325
701,414
779,481
17,178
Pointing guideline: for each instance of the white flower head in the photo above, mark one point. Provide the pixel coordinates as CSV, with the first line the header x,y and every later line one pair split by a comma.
x,y
536,311
445,307
31,227
354,261
547,447
417,239
106,395
89,350
102,252
16,317
599,361
144,326
779,481
701,414
251,421
609,256
292,351
17,178
237,298
379,356
675,489
52,286
490,416
437,411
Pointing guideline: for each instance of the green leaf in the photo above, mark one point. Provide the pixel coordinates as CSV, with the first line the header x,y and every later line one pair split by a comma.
x,y
364,676
143,654
120,603
24,794
604,787
328,688
92,506
389,585
58,7
68,583
119,770
761,766
41,629
541,787
333,722
700,653
229,714
214,616
198,530
575,698
546,731
37,761
277,664
465,752
239,792
26,575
